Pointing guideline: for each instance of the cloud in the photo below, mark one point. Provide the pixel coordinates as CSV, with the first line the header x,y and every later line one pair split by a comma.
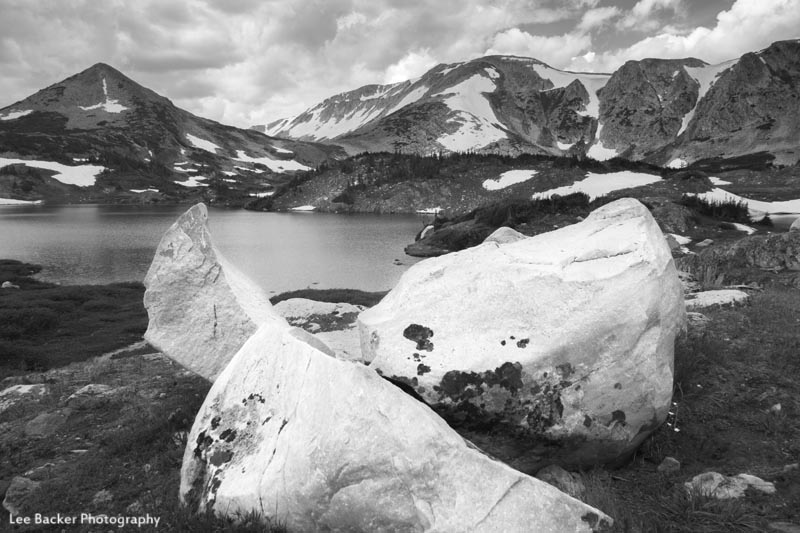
x,y
412,65
597,17
645,14
748,25
555,51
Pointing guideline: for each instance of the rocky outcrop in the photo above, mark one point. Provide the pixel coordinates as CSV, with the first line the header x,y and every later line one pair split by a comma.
x,y
715,485
201,308
332,323
777,252
327,445
560,345
643,104
505,235
701,300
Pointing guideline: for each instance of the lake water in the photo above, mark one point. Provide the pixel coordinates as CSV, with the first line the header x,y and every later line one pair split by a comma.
x,y
280,251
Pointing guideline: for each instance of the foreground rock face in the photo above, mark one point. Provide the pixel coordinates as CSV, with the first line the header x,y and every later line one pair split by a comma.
x,y
560,345
201,308
327,445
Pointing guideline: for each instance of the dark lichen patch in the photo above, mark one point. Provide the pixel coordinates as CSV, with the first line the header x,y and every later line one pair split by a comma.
x,y
266,420
599,525
503,342
215,422
587,421
460,386
229,435
283,425
254,396
565,369
522,343
420,335
422,369
203,442
617,386
417,357
220,457
618,416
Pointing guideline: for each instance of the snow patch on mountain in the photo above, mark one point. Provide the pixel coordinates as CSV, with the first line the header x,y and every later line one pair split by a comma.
x,y
596,185
479,126
597,151
677,163
757,208
11,115
507,179
80,175
564,146
409,98
11,201
449,68
109,105
203,144
194,181
591,82
275,165
705,76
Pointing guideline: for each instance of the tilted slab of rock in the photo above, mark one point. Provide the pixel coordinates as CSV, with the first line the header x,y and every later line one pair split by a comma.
x,y
322,444
332,323
201,308
555,348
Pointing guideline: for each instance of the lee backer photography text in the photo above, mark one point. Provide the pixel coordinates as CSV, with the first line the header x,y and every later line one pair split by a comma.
x,y
85,519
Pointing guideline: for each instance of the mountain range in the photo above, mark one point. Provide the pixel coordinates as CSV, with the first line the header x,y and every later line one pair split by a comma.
x,y
98,135
668,112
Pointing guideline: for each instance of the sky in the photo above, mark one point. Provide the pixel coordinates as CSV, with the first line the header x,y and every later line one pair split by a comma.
x,y
247,62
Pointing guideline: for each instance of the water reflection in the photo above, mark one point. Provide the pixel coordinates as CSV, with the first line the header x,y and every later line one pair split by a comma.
x,y
101,244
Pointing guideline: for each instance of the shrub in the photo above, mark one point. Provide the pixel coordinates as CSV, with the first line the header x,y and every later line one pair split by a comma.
x,y
728,210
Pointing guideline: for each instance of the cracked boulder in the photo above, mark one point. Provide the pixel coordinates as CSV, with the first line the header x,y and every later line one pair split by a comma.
x,y
201,308
323,444
553,349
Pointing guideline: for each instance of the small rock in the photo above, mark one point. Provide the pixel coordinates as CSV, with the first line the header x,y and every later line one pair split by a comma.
x,y
669,464
795,225
784,527
91,396
564,481
505,235
135,508
11,395
102,497
8,285
19,494
721,487
775,409
703,244
47,424
703,299
790,467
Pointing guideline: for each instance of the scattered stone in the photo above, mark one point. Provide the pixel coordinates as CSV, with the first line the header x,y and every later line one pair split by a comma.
x,y
136,508
18,495
8,285
373,458
92,396
790,467
545,316
47,424
715,485
564,481
700,300
775,409
784,527
669,465
17,393
704,243
696,323
201,308
505,235
102,497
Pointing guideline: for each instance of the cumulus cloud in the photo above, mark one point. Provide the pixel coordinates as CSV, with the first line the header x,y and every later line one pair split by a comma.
x,y
557,50
645,14
749,25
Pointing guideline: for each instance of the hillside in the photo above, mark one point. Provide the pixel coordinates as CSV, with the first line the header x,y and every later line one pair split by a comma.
x,y
100,136
665,112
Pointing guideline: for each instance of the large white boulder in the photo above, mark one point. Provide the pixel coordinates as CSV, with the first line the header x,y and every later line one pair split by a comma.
x,y
322,444
201,308
556,348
